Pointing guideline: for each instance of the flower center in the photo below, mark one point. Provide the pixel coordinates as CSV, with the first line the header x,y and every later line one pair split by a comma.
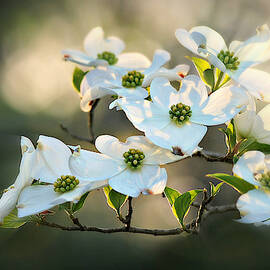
x,y
132,79
228,59
109,57
180,113
65,183
134,158
264,179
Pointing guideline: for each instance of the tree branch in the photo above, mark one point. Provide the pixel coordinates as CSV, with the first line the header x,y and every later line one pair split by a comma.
x,y
213,156
190,228
91,122
83,139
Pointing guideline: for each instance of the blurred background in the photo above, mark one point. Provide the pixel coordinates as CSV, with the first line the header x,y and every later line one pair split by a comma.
x,y
36,96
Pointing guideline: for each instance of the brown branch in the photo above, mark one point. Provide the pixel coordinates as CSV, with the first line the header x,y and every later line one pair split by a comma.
x,y
190,228
202,208
91,122
213,156
83,139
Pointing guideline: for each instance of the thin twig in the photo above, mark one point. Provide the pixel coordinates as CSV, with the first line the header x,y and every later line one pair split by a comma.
x,y
213,156
156,232
129,215
90,120
201,209
74,135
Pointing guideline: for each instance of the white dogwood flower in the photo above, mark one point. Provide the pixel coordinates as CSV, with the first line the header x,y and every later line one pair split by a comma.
x,y
178,119
102,51
236,60
125,83
251,123
140,162
254,206
10,196
58,182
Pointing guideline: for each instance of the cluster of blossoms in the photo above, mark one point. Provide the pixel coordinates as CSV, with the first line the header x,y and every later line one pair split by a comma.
x,y
172,108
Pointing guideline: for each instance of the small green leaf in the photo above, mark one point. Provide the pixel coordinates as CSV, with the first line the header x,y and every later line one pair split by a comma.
x,y
265,148
201,65
77,77
245,145
215,189
114,199
226,77
209,77
77,206
236,182
230,134
182,204
13,222
64,206
171,194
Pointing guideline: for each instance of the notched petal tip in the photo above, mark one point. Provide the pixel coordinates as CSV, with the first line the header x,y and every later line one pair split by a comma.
x,y
177,151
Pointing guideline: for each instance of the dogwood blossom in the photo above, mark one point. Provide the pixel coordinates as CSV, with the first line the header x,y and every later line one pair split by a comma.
x,y
254,206
237,60
178,119
125,83
102,51
139,161
58,183
251,123
28,162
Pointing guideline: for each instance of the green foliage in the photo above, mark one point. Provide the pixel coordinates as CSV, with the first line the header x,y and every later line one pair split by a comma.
x,y
77,206
215,189
77,77
114,199
209,77
182,204
230,134
226,77
250,145
171,194
202,65
237,183
13,222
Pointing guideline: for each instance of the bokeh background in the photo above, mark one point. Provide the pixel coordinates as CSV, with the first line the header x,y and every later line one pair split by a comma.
x,y
36,96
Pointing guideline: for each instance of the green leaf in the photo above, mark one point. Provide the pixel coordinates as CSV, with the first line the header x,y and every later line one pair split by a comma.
x,y
230,134
171,194
209,77
245,145
114,199
77,77
236,182
182,204
265,148
13,222
77,206
215,189
226,77
201,65
64,206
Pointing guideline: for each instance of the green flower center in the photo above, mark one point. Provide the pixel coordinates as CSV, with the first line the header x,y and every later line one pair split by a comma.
x,y
229,60
134,158
65,183
109,57
264,179
180,113
132,79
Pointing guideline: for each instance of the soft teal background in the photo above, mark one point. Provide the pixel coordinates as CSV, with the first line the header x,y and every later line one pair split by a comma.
x,y
36,96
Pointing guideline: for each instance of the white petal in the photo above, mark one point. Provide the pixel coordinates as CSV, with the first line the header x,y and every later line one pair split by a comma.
x,y
201,35
160,58
96,79
261,126
26,145
8,201
163,94
254,206
235,45
249,163
222,105
133,61
143,114
193,92
89,166
186,137
175,74
137,93
257,82
148,179
77,57
55,155
255,50
95,43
